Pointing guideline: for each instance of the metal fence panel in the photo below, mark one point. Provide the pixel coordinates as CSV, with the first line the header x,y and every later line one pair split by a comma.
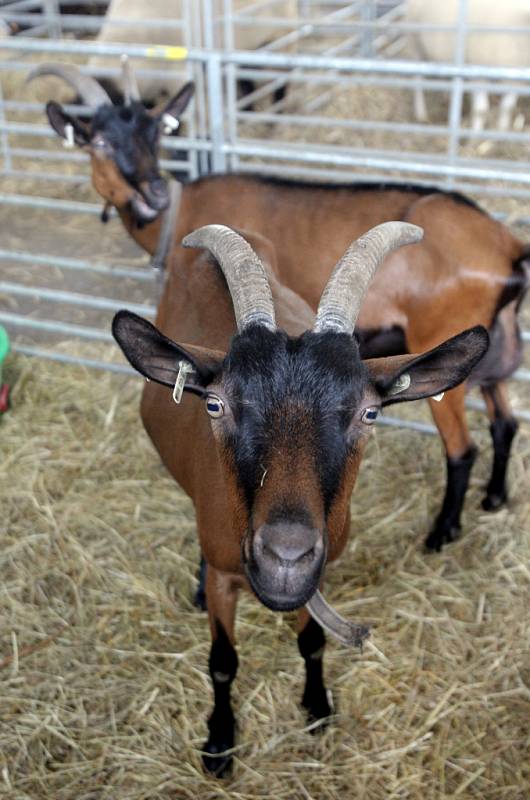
x,y
347,113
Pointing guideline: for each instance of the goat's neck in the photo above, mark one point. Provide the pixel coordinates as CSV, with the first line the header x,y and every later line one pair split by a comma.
x,y
145,236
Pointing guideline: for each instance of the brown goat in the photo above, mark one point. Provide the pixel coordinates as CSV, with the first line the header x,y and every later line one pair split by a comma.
x,y
469,269
271,455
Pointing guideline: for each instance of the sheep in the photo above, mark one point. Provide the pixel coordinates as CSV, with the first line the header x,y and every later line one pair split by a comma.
x,y
274,409
470,269
153,88
482,48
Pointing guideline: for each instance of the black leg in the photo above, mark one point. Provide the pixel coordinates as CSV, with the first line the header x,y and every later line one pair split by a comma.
x,y
502,433
223,668
503,428
311,643
447,525
199,598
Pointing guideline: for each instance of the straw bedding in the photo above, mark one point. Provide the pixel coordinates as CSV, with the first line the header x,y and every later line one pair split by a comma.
x,y
105,690
103,660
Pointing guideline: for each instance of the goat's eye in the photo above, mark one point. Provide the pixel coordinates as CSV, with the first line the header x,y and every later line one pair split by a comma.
x,y
369,415
214,406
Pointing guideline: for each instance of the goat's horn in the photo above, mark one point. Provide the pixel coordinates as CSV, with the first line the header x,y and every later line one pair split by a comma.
x,y
131,91
87,88
244,273
350,633
341,300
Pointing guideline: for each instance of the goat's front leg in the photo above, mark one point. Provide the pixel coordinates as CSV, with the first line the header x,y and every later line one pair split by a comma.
x,y
503,428
221,597
450,417
311,643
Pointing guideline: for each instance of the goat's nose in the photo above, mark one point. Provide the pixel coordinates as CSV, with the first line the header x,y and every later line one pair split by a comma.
x,y
290,544
158,187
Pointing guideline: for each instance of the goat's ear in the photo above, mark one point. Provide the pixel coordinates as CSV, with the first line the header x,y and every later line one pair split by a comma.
x,y
412,377
59,120
159,358
179,103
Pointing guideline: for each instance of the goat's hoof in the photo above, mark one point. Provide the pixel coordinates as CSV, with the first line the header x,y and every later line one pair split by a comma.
x,y
318,709
441,535
215,761
493,501
199,600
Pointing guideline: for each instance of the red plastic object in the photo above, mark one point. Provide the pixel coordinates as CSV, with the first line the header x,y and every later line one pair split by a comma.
x,y
4,398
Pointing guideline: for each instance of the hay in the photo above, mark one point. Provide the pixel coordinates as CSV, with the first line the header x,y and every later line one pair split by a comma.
x,y
103,660
105,690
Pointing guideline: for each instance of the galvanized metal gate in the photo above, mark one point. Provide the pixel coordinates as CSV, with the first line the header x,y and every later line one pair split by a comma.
x,y
347,114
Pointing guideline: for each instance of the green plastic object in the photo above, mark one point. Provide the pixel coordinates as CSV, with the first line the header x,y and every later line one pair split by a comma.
x,y
4,348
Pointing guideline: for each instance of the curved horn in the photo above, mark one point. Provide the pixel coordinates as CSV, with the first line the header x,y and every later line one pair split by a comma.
x,y
244,273
91,93
131,91
341,299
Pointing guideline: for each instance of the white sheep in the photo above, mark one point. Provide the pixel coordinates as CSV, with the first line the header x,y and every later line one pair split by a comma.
x,y
246,38
482,48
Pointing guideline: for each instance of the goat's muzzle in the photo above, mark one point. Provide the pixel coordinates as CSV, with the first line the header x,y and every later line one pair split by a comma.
x,y
150,199
155,193
283,563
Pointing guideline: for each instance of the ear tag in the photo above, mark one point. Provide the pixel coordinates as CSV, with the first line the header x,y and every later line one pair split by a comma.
x,y
399,385
178,389
438,397
68,135
170,123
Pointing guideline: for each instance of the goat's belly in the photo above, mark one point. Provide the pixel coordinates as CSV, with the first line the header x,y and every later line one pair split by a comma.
x,y
505,351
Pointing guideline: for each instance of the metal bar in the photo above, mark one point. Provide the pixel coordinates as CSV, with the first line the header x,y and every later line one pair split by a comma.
x,y
457,91
80,361
5,138
215,113
34,259
391,161
395,422
31,201
230,83
74,299
53,326
264,58
351,178
46,176
478,405
88,22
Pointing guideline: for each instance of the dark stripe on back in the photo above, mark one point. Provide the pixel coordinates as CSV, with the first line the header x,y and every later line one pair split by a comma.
x,y
361,186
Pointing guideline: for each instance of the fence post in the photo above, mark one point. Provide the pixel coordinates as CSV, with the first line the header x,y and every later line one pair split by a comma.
x,y
457,91
216,111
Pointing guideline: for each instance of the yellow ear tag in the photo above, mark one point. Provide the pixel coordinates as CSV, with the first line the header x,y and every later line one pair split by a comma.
x,y
178,390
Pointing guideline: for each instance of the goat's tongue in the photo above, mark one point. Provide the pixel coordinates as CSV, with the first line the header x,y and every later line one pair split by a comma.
x,y
350,633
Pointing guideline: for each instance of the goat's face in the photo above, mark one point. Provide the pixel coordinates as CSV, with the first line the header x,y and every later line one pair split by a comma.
x,y
123,143
290,418
123,148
